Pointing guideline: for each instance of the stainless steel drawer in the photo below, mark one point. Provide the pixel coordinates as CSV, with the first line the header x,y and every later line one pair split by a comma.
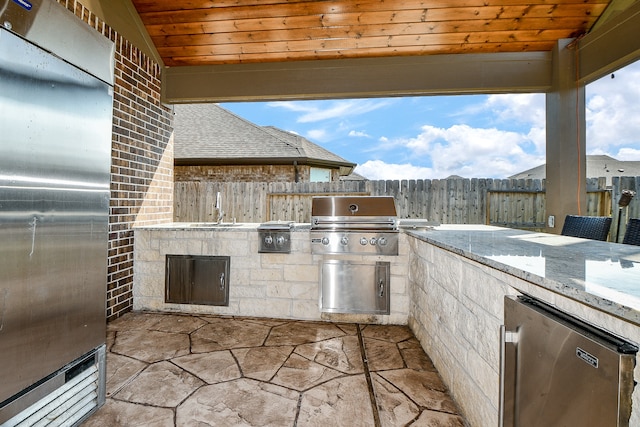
x,y
355,287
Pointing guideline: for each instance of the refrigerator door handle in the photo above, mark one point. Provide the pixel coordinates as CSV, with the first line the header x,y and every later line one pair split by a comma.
x,y
503,334
506,337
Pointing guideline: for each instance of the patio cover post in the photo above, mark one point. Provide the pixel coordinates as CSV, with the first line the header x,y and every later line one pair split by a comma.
x,y
566,141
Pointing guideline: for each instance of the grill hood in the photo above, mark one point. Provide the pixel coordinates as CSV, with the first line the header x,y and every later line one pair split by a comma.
x,y
354,212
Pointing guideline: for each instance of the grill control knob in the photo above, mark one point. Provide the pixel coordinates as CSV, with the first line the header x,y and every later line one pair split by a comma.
x,y
280,240
382,241
373,241
344,240
268,240
325,241
363,241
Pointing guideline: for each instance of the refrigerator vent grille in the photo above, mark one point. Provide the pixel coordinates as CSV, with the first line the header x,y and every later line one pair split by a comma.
x,y
65,406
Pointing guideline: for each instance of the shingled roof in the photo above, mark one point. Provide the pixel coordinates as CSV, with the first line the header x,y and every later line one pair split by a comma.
x,y
207,134
597,166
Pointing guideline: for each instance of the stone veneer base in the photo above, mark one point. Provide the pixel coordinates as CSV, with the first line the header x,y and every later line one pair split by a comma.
x,y
262,285
457,308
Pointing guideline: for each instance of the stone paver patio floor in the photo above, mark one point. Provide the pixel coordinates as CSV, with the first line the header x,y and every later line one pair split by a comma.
x,y
181,370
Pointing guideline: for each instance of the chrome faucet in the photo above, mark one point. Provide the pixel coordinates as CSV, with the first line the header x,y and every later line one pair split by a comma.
x,y
219,207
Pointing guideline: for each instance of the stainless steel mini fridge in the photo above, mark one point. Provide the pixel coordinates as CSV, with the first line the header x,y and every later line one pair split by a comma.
x,y
55,162
559,371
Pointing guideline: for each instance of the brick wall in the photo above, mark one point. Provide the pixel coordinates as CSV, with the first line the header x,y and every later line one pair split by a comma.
x,y
141,158
241,173
247,173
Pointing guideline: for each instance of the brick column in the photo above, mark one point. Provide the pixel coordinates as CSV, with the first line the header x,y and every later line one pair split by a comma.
x,y
141,158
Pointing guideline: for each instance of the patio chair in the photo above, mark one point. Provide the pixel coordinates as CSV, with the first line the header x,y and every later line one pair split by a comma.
x,y
632,235
588,227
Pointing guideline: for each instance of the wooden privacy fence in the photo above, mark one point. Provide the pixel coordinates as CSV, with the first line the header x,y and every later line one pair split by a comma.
x,y
507,202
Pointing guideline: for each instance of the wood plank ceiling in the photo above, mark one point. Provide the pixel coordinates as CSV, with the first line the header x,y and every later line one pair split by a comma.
x,y
210,32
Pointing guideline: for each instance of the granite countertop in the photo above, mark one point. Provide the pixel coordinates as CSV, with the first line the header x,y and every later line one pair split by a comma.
x,y
224,226
603,275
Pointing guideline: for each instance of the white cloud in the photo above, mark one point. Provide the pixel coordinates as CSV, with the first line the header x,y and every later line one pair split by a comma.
x,y
613,112
538,137
377,169
292,106
359,134
317,134
316,111
613,128
469,152
629,154
498,136
529,108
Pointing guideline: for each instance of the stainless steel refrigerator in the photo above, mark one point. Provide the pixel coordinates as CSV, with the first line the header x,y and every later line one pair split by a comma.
x,y
561,372
55,151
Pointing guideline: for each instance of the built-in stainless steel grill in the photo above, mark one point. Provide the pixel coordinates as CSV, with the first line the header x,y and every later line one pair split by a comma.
x,y
349,225
354,225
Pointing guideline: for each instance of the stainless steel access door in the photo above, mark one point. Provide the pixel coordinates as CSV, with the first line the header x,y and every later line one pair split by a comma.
x,y
197,279
561,372
55,158
355,287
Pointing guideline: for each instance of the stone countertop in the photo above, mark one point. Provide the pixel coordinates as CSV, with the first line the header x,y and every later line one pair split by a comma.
x,y
603,275
210,226
404,224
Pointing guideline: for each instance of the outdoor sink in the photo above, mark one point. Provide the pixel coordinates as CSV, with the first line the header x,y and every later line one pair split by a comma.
x,y
417,224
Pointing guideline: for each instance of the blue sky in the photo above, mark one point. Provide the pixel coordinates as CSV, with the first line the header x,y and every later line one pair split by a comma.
x,y
481,136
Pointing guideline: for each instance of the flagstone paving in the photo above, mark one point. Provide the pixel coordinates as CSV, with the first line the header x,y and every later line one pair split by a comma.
x,y
179,370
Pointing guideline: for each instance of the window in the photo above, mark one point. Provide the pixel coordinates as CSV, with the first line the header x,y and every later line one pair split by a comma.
x,y
320,175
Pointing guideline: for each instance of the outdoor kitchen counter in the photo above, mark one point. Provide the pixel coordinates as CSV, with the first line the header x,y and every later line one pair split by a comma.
x,y
225,226
261,284
602,275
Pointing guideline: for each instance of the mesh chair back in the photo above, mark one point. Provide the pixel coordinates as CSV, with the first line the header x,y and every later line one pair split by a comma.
x,y
632,235
588,227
